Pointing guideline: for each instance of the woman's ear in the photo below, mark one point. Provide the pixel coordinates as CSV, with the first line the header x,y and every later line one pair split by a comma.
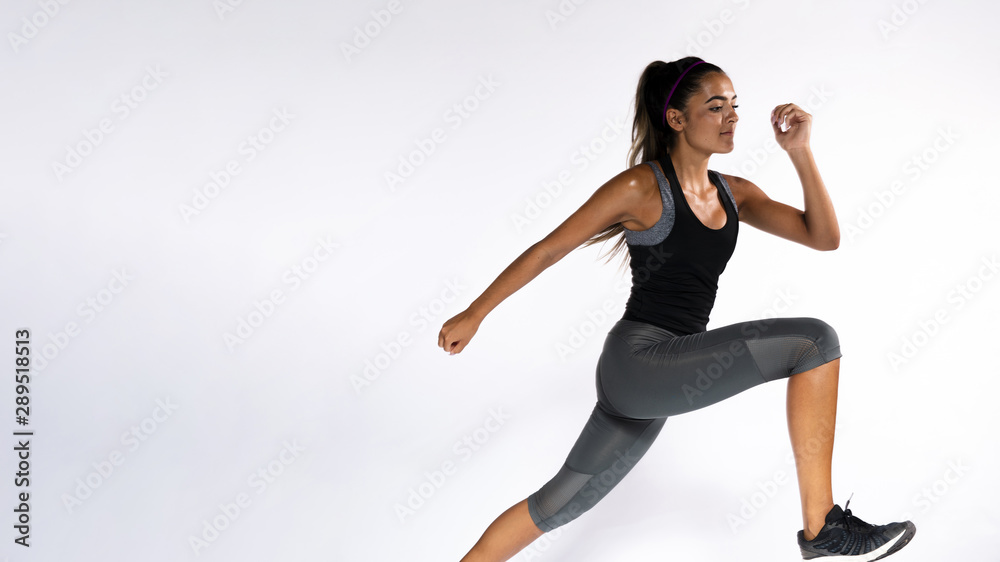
x,y
675,119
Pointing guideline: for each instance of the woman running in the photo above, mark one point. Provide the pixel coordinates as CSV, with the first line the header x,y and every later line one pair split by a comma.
x,y
679,221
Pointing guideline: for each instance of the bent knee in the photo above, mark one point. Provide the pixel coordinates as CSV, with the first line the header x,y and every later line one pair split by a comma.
x,y
826,338
825,344
794,345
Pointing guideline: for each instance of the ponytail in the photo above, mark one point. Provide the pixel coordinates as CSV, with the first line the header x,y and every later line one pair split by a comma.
x,y
651,138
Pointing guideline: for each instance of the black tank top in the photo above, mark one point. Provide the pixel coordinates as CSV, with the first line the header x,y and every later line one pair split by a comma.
x,y
677,262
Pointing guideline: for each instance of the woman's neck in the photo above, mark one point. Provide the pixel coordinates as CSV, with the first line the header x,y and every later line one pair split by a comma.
x,y
691,168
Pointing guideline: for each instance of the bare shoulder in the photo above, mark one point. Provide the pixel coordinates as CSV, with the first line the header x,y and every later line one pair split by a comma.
x,y
640,188
633,187
622,199
639,178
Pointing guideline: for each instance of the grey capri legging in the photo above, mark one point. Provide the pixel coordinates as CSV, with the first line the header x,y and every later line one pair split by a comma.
x,y
646,373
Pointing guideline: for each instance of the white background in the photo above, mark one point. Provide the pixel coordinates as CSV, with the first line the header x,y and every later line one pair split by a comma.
x,y
348,427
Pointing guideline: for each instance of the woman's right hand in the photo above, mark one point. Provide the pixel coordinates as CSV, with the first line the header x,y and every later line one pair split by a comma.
x,y
457,331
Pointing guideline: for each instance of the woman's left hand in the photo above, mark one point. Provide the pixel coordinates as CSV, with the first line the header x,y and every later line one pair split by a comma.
x,y
799,124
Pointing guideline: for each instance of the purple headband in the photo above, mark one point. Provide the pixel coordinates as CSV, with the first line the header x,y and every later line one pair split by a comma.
x,y
674,88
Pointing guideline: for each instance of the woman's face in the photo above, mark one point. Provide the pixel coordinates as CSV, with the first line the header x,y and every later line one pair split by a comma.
x,y
710,123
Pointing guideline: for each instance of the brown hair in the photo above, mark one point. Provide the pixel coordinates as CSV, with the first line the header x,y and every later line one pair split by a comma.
x,y
651,138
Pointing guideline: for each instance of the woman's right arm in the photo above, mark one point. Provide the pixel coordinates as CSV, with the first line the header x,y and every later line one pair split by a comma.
x,y
616,201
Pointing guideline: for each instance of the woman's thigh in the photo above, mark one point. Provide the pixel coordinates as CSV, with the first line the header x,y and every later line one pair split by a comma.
x,y
648,372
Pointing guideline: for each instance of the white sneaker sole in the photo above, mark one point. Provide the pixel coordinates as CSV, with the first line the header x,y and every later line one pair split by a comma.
x,y
873,555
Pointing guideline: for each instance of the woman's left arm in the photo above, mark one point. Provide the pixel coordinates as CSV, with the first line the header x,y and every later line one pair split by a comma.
x,y
816,227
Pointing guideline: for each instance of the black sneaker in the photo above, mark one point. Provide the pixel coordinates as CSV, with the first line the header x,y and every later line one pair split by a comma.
x,y
844,536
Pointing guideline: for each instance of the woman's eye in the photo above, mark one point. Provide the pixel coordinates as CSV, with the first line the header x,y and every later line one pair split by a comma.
x,y
735,106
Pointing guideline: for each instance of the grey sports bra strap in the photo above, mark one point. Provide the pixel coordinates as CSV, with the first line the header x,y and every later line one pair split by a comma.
x,y
668,166
725,186
659,231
